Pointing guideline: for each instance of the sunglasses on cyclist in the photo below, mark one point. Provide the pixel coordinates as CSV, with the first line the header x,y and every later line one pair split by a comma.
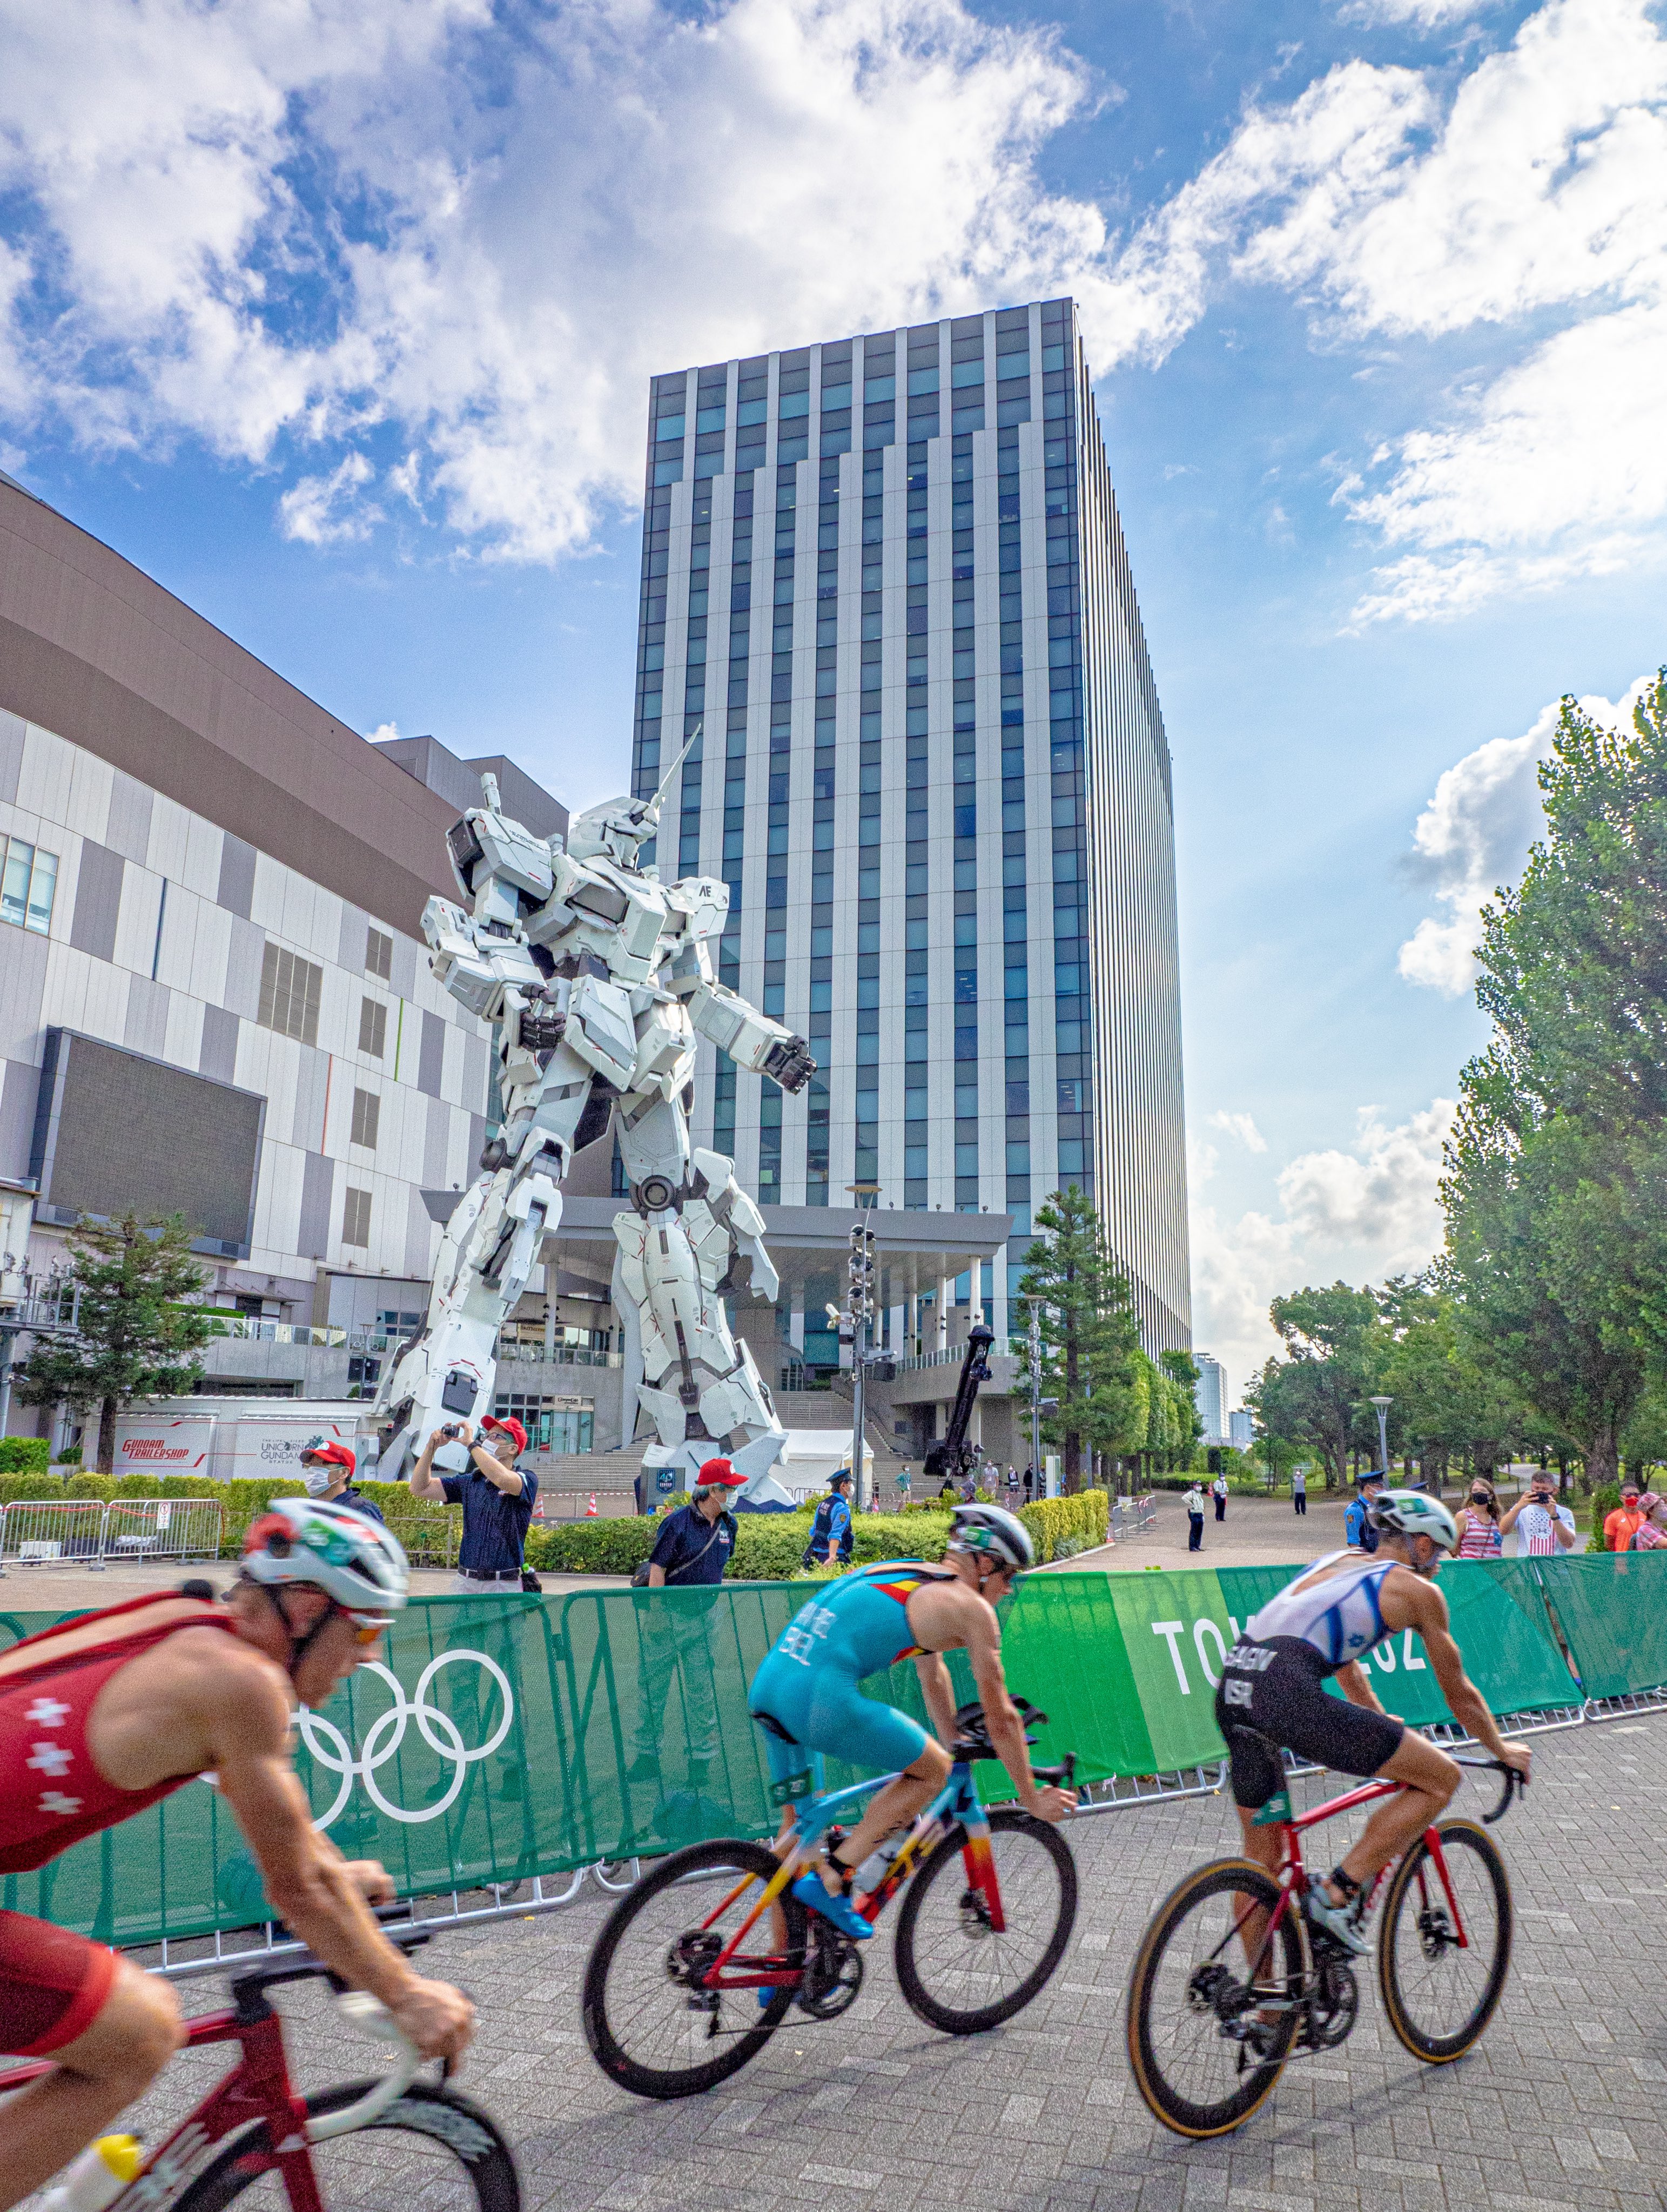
x,y
367,1626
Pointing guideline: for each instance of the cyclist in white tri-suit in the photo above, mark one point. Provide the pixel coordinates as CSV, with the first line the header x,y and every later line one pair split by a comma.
x,y
1325,1623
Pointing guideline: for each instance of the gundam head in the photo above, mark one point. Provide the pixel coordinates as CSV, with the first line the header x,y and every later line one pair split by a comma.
x,y
614,831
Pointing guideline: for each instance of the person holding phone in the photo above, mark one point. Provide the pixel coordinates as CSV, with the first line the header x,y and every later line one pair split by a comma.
x,y
1543,1526
496,1496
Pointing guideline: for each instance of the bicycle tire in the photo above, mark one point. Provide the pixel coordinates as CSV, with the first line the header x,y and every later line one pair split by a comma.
x,y
1185,2115
606,2046
1457,1838
945,1862
425,2109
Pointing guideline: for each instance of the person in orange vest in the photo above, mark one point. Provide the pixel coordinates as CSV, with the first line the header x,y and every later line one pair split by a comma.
x,y
1624,1523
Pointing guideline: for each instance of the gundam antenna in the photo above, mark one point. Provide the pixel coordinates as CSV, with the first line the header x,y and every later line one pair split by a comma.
x,y
665,781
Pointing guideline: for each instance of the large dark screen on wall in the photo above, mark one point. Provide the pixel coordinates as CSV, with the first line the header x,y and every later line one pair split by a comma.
x,y
132,1133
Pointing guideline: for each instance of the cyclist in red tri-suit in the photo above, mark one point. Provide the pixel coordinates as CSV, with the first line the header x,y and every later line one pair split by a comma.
x,y
101,1716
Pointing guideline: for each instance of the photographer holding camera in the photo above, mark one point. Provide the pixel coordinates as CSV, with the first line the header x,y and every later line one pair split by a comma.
x,y
496,1499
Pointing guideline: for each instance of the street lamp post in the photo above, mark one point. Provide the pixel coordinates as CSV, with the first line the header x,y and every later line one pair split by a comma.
x,y
1383,1405
860,1304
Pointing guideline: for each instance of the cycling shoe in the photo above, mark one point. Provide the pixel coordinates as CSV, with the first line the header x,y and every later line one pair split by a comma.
x,y
811,1892
1340,1921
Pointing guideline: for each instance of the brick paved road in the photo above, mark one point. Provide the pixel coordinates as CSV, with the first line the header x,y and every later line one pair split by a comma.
x,y
1562,2105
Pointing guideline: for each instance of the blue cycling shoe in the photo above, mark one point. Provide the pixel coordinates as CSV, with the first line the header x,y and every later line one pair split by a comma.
x,y
811,1892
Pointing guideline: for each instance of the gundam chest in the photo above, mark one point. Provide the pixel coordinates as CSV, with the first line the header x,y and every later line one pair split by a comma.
x,y
640,1039
616,917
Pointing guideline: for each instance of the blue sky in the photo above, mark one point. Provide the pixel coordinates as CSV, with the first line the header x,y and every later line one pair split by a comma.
x,y
337,318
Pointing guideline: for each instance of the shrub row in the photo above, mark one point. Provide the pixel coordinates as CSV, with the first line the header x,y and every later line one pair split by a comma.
x,y
1062,1527
769,1546
24,1455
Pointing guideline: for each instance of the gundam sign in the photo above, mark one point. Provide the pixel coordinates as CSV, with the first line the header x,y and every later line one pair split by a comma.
x,y
599,978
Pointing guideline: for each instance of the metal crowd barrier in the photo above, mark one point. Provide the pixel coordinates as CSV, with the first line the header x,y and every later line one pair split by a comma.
x,y
1132,1519
91,1532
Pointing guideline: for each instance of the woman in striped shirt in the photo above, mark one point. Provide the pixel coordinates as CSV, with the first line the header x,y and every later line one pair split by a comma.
x,y
1479,1534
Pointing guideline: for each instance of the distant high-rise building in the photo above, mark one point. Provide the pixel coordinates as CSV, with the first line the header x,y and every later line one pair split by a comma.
x,y
885,578
1241,1430
1210,1394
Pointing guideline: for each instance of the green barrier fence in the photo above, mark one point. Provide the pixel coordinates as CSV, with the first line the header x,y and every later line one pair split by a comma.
x,y
501,1738
1613,1610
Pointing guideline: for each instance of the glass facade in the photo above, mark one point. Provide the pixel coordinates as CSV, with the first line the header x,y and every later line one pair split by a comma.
x,y
932,769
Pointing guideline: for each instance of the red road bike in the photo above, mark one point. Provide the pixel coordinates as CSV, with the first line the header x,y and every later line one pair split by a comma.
x,y
381,2145
1231,1978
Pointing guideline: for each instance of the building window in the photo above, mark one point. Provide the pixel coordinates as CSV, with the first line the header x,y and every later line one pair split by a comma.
x,y
379,954
363,1377
289,989
367,1113
29,878
355,1218
373,1027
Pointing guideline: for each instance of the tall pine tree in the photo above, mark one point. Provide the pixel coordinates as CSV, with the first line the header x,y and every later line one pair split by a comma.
x,y
1090,1337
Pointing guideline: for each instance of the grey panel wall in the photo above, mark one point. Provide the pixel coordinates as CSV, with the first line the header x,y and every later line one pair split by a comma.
x,y
419,1232
237,875
431,1061
12,727
350,946
23,988
476,1060
129,830
317,1191
311,1087
436,1145
477,1144
146,1027
19,1085
218,1055
243,960
403,978
97,900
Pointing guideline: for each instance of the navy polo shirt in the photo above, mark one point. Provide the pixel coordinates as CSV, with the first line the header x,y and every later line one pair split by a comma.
x,y
359,1502
494,1523
683,1537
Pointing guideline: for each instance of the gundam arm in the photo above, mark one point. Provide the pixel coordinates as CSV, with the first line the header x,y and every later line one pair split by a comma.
x,y
752,1040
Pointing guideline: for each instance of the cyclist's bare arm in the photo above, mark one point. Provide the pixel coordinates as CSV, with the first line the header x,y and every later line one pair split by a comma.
x,y
950,1613
1409,1601
939,1692
1352,1682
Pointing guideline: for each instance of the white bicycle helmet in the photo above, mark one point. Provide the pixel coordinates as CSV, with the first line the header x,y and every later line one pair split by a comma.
x,y
996,1533
351,1557
1412,1513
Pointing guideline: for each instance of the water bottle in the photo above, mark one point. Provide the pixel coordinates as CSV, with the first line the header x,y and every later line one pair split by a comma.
x,y
873,1870
97,2178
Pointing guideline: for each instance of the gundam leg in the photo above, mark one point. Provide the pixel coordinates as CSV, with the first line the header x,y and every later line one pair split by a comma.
x,y
448,1370
692,1235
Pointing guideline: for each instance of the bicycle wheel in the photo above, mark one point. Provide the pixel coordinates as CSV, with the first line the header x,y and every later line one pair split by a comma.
x,y
953,1967
431,2147
649,2027
1440,1993
1207,2037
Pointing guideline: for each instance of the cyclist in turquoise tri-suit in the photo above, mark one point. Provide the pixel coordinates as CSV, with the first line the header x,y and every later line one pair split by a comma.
x,y
806,1698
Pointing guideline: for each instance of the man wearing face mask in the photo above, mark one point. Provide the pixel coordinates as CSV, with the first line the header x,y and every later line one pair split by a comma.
x,y
327,1469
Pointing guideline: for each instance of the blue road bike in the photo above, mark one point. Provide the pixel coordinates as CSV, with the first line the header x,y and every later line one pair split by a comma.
x,y
698,1964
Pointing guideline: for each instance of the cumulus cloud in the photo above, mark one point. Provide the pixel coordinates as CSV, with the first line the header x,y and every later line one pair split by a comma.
x,y
1361,1212
1474,836
1243,1128
326,510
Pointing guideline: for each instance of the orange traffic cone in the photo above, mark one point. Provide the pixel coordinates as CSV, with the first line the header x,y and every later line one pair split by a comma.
x,y
590,1511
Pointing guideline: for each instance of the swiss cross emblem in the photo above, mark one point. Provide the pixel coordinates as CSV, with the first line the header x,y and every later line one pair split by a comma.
x,y
47,1712
52,1758
54,1801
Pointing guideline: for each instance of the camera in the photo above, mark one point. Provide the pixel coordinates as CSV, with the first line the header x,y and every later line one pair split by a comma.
x,y
451,1431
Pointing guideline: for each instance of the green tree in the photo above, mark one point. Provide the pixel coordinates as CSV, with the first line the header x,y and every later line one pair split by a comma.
x,y
1557,1169
1334,1344
1091,1336
1447,1402
1183,1370
138,1335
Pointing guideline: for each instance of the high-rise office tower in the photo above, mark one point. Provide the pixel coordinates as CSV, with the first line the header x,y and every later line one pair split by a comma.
x,y
885,579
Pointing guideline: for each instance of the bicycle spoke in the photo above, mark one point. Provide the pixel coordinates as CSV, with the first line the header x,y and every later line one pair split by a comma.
x,y
1441,1992
959,1957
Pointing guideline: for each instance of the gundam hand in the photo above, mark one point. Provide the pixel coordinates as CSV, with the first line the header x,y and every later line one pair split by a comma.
x,y
789,1063
544,1023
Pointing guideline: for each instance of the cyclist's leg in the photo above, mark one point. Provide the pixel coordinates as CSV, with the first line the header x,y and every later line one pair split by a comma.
x,y
112,2033
1431,1778
875,1735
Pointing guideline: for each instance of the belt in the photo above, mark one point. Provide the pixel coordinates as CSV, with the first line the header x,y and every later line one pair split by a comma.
x,y
493,1575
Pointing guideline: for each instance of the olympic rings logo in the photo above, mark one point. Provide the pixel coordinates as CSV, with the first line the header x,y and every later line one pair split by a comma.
x,y
387,1732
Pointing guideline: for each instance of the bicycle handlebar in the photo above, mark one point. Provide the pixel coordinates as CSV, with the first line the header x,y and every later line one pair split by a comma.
x,y
1513,1784
372,2018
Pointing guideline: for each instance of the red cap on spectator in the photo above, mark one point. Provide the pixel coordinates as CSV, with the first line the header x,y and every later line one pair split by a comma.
x,y
333,1454
719,1475
510,1426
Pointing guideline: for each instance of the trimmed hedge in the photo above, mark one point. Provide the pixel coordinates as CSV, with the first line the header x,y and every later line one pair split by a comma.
x,y
1062,1527
769,1546
24,1455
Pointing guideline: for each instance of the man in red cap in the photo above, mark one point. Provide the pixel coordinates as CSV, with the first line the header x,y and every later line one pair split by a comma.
x,y
694,1546
328,1469
496,1496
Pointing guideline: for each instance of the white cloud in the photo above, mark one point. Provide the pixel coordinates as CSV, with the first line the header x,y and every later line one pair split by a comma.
x,y
325,510
382,734
1474,836
1359,1213
1243,1128
1419,14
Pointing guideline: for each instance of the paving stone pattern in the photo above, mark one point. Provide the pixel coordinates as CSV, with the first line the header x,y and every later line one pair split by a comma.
x,y
1564,2104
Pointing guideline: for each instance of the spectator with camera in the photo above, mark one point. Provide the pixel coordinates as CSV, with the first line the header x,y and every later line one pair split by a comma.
x,y
1544,1527
497,1498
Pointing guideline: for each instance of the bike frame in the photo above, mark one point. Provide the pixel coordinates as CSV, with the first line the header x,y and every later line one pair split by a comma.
x,y
958,1800
257,2088
1294,1871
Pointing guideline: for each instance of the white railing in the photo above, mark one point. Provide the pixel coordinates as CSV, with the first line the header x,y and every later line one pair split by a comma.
x,y
248,1328
912,1362
90,1532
